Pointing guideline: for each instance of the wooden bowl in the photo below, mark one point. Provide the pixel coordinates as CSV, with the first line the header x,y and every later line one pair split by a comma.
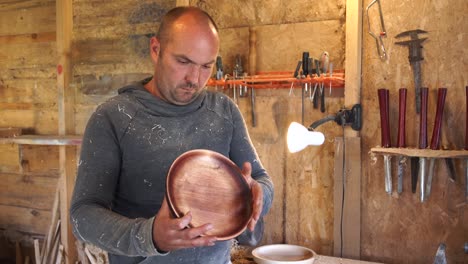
x,y
213,189
283,254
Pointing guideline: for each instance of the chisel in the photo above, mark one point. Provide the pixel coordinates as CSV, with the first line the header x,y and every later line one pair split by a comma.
x,y
466,146
423,141
385,136
435,141
401,137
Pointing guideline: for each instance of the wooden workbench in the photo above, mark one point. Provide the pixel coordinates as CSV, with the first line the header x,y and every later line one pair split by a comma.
x,y
319,260
243,255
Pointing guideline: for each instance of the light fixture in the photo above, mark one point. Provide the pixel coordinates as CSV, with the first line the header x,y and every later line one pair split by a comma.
x,y
299,137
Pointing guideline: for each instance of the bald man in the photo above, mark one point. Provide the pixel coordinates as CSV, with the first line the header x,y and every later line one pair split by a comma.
x,y
132,139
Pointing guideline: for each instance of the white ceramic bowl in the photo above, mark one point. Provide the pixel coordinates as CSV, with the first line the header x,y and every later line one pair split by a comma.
x,y
283,254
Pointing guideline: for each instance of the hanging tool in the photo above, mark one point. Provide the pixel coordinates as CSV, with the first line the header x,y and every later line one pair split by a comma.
x,y
385,136
298,67
331,73
252,101
324,62
423,142
315,96
305,72
401,137
466,145
219,68
383,33
322,98
435,141
415,58
324,65
440,255
253,69
414,173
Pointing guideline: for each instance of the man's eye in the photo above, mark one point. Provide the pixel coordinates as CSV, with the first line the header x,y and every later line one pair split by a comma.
x,y
209,66
183,62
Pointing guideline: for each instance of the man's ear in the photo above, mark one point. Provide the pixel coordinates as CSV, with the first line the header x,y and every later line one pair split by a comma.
x,y
155,48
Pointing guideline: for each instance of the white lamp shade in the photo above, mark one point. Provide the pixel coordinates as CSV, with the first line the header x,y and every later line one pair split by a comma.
x,y
299,137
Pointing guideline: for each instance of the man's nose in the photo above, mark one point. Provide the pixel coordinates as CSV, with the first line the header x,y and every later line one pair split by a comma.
x,y
193,74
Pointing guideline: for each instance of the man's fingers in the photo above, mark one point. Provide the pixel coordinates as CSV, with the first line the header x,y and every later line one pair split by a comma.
x,y
183,222
247,171
195,232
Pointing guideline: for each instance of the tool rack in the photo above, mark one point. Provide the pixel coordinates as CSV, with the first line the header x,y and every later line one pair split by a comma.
x,y
415,152
269,80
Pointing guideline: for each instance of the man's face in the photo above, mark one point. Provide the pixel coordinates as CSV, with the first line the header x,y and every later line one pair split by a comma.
x,y
183,64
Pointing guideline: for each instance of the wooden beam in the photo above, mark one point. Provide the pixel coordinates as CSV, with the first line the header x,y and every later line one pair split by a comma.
x,y
347,192
28,38
353,57
9,132
182,2
347,195
428,153
66,101
66,140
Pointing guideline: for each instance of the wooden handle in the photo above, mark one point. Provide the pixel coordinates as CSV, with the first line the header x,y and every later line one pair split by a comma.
x,y
435,141
466,122
384,121
252,51
423,119
402,118
305,63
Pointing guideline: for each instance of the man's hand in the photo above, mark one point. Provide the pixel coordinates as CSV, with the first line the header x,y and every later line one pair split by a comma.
x,y
257,195
172,234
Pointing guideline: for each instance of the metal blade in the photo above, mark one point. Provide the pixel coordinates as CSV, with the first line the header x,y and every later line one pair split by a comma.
x,y
430,175
414,173
451,169
466,181
388,173
417,84
401,172
422,178
440,255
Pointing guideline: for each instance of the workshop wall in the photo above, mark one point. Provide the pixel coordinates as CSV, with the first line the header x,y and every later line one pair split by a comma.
x,y
28,100
110,48
399,228
302,211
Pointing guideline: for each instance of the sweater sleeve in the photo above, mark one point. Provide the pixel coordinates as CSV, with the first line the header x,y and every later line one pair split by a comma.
x,y
242,150
92,219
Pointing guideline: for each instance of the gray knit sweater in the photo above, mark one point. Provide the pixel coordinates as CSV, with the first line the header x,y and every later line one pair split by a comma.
x,y
128,146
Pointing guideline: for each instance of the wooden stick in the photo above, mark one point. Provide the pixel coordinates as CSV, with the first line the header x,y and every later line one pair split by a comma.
x,y
37,251
52,252
90,256
19,255
26,260
60,255
81,253
53,226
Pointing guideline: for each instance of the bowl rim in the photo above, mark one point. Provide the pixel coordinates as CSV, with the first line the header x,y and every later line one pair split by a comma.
x,y
237,172
255,252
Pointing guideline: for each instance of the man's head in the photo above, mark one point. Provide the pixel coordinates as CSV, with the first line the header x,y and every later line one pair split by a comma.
x,y
183,53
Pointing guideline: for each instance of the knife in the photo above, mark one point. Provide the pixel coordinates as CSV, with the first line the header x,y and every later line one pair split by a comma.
x,y
401,137
435,141
385,136
466,145
423,141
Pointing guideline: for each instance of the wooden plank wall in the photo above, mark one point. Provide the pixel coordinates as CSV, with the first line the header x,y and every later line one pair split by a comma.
x,y
399,228
109,49
28,100
302,211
